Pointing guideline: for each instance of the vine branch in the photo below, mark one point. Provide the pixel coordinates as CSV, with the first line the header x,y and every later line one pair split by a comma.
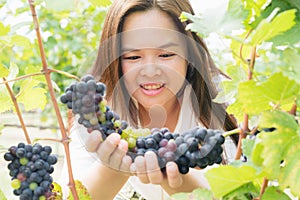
x,y
41,73
53,99
18,111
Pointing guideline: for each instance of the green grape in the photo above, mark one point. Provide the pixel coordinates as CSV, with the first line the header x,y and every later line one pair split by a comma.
x,y
94,121
117,123
42,197
23,161
131,142
15,184
33,185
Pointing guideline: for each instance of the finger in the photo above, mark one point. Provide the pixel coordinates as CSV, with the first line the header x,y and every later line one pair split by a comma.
x,y
115,159
108,146
174,177
141,169
153,170
126,164
93,141
132,169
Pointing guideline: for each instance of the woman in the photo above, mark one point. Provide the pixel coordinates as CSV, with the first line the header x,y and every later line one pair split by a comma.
x,y
157,75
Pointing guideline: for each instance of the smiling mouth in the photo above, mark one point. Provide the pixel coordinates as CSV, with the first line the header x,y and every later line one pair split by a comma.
x,y
152,86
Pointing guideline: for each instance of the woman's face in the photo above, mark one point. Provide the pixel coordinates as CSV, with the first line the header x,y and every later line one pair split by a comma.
x,y
153,57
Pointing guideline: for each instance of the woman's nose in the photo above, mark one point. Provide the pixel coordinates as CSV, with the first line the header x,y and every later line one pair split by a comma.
x,y
150,68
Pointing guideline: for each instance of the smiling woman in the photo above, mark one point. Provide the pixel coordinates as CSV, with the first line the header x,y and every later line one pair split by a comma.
x,y
158,75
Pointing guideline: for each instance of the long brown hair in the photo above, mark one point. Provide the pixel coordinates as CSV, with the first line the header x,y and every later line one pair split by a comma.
x,y
200,73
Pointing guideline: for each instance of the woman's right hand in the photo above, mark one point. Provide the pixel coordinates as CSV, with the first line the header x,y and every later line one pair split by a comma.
x,y
112,151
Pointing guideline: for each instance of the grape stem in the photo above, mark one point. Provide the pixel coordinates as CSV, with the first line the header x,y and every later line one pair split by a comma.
x,y
47,73
18,111
41,73
232,132
48,139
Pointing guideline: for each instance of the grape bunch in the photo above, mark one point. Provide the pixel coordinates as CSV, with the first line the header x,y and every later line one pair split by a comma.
x,y
198,147
86,99
30,167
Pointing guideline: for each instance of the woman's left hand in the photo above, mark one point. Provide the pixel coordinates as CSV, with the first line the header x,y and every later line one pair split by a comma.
x,y
147,170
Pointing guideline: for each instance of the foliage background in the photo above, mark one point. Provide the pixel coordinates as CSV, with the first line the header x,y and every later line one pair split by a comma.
x,y
71,30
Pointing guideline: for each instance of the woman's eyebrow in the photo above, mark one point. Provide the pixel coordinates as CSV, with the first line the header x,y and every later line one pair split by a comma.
x,y
163,46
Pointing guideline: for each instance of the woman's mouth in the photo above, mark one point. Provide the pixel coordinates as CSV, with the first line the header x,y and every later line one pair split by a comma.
x,y
152,89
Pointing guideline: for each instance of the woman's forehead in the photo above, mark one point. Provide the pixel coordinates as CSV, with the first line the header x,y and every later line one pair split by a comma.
x,y
152,38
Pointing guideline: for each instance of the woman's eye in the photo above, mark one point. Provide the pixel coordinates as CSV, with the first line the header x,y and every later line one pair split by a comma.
x,y
132,57
167,55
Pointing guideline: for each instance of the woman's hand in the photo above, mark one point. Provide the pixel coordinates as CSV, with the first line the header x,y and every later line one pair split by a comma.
x,y
148,171
111,151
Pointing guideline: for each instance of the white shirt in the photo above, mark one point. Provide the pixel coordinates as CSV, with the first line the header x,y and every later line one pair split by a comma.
x,y
82,160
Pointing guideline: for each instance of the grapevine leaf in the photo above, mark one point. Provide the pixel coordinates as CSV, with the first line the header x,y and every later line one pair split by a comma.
x,y
282,147
291,35
13,72
102,3
277,90
245,192
57,190
292,57
197,194
3,71
59,5
2,196
247,147
223,179
6,103
4,30
268,29
81,190
20,41
273,192
31,95
228,87
221,22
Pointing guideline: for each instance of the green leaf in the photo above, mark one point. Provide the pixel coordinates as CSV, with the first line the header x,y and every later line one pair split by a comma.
x,y
268,29
273,192
6,103
4,30
224,179
279,150
247,147
58,5
277,91
81,190
217,20
2,196
31,95
228,87
102,3
197,194
3,71
245,192
20,41
292,57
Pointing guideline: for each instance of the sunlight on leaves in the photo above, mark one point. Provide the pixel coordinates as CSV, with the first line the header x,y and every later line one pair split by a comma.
x,y
3,71
81,190
282,148
277,91
266,30
197,194
31,95
273,192
224,179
